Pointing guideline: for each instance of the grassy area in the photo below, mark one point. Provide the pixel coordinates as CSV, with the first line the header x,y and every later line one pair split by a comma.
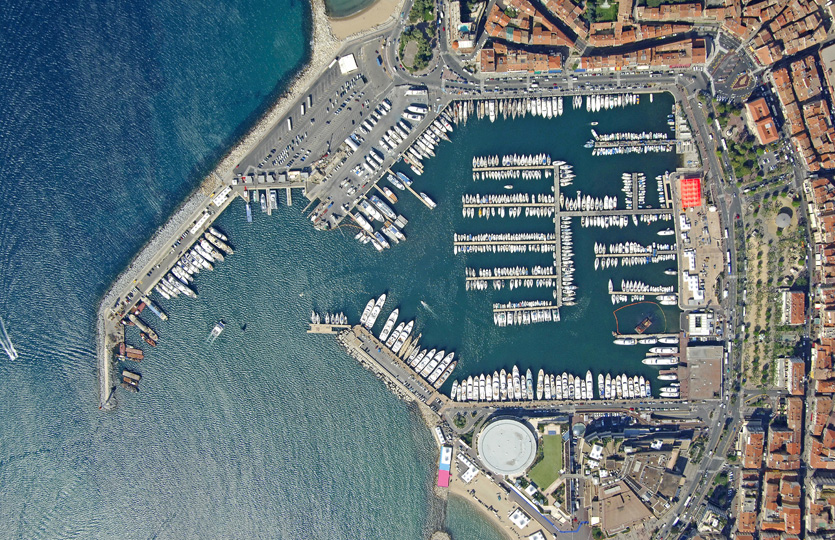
x,y
422,10
775,261
547,470
595,13
420,38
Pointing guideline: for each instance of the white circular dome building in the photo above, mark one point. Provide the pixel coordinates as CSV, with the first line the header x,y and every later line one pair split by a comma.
x,y
506,447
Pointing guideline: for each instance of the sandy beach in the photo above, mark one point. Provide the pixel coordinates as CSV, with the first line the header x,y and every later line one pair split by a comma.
x,y
374,15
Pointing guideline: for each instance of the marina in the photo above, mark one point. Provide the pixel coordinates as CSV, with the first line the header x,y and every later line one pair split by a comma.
x,y
378,221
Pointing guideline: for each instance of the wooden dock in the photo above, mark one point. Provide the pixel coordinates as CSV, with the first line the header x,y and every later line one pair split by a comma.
x,y
413,192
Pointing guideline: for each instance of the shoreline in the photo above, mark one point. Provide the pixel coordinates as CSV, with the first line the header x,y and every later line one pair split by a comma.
x,y
487,516
324,47
353,15
365,21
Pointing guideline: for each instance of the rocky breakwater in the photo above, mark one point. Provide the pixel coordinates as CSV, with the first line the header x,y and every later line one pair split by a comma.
x,y
112,306
349,341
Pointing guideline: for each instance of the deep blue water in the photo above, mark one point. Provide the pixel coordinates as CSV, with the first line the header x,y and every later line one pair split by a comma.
x,y
112,112
112,115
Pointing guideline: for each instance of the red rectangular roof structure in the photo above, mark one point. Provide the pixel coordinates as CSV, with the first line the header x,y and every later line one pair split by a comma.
x,y
691,192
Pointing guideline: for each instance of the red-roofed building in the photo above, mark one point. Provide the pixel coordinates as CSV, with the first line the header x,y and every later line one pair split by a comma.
x,y
794,308
691,192
753,444
760,121
795,373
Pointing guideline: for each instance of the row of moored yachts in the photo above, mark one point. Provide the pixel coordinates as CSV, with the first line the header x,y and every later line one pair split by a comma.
x,y
513,386
566,261
629,136
588,203
598,102
631,248
642,148
525,312
513,211
512,174
546,107
622,221
513,276
202,256
634,286
435,366
603,262
505,243
513,160
628,189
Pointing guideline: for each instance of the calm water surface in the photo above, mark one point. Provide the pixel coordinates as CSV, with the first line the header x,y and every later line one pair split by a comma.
x,y
112,115
346,8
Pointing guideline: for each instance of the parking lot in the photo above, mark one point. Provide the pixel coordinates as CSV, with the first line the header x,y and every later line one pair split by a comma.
x,y
732,73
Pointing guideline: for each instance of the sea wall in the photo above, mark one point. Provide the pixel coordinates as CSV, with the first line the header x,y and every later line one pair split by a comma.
x,y
324,50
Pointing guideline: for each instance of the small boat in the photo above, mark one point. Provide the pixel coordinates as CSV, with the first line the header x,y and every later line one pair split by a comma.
x,y
660,361
367,311
395,182
508,186
389,194
218,328
405,179
428,200
389,325
663,350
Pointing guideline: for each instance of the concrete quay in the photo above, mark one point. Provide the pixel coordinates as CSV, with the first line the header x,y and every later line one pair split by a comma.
x,y
644,254
603,213
364,346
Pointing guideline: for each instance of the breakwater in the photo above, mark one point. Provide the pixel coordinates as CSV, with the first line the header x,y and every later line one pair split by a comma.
x,y
114,303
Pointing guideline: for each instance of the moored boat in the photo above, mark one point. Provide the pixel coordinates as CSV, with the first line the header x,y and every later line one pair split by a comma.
x,y
384,334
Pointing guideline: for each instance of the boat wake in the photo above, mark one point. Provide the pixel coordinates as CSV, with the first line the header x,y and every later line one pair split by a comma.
x,y
211,338
6,342
429,309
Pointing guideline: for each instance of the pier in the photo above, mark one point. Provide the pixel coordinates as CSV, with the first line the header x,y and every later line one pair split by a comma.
x,y
514,168
499,278
633,293
529,308
504,242
643,254
327,328
371,352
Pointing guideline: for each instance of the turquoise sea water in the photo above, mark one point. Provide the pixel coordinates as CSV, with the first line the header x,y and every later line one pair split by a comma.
x,y
346,8
464,522
112,115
